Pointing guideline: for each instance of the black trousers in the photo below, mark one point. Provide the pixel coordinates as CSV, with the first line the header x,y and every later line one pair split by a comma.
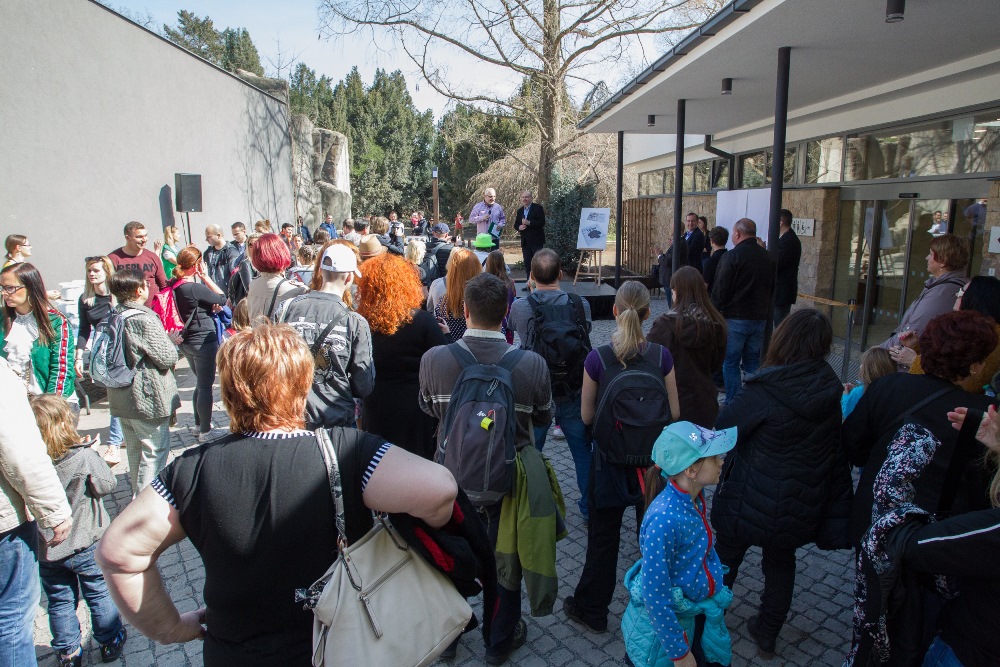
x,y
528,251
778,566
599,578
509,602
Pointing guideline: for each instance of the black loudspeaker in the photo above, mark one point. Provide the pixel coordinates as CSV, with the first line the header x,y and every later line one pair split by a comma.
x,y
187,192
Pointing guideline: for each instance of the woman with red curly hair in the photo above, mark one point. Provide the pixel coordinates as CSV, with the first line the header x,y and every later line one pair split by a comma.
x,y
953,346
389,297
269,255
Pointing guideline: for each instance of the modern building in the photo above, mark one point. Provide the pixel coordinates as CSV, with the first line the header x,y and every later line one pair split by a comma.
x,y
892,135
97,115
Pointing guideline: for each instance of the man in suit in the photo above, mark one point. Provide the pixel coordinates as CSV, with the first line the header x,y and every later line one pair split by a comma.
x,y
695,239
786,286
530,224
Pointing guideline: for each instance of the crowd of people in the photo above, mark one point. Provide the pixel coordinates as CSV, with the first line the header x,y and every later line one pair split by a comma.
x,y
421,361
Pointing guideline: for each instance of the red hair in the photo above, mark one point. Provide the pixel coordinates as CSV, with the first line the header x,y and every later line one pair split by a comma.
x,y
270,254
952,342
388,292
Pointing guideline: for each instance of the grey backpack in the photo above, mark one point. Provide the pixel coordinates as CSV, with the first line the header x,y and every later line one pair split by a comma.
x,y
479,426
107,358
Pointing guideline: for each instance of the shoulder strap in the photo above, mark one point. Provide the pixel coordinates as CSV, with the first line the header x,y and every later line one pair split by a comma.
x,y
581,314
930,399
463,354
511,358
338,317
963,453
653,353
274,297
129,312
607,356
534,303
336,487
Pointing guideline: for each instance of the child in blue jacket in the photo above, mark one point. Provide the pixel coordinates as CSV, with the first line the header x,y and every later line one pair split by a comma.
x,y
675,614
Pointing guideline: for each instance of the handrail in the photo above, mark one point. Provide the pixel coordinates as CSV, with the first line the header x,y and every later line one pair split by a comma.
x,y
852,308
829,302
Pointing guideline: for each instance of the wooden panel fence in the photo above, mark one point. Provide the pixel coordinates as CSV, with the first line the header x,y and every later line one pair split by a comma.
x,y
640,231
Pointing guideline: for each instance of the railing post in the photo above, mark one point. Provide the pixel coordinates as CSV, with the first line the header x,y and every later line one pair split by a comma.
x,y
852,304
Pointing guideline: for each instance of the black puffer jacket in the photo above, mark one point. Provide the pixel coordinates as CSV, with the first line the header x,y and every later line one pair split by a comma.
x,y
787,483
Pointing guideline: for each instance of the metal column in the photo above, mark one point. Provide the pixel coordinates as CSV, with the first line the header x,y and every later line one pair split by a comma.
x,y
619,224
778,151
678,190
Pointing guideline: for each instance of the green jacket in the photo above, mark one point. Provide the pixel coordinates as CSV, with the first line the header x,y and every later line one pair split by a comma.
x,y
52,364
531,522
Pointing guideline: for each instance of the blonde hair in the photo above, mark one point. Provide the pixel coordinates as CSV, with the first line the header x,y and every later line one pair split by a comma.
x,y
262,226
89,294
306,255
632,302
265,373
415,250
171,235
241,315
876,362
55,422
380,225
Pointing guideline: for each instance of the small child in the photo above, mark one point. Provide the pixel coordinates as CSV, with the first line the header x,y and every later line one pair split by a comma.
x,y
241,319
876,362
69,568
675,614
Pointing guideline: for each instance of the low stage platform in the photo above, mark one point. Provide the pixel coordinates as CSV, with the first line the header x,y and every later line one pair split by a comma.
x,y
601,297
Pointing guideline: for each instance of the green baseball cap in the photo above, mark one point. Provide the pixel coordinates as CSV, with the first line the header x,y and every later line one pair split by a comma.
x,y
483,241
682,443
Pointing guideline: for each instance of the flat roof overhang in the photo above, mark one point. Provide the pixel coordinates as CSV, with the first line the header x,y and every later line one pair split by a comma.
x,y
841,49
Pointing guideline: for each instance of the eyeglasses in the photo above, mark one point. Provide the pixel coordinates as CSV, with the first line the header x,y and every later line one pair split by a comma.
x,y
11,289
90,260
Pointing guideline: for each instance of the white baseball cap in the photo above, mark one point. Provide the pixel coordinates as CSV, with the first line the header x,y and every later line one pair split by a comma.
x,y
341,259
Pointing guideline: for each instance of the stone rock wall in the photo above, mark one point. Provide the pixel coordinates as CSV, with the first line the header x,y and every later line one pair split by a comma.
x,y
991,261
321,171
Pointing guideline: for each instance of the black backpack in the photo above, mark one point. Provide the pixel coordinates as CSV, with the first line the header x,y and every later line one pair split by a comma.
x,y
561,336
107,358
480,426
632,407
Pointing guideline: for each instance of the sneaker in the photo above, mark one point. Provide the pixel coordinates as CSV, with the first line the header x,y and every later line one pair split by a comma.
x,y
113,649
209,436
70,659
573,613
113,455
765,644
557,432
516,642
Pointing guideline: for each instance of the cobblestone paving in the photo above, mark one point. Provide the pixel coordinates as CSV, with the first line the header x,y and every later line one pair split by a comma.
x,y
817,632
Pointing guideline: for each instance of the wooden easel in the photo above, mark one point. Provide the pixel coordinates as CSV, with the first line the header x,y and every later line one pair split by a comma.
x,y
587,266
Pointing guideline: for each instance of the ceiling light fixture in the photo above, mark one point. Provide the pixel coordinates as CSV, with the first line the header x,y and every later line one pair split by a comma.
x,y
727,86
894,10
651,120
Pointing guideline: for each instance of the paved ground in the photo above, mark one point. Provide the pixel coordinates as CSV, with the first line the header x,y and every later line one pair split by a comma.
x,y
817,632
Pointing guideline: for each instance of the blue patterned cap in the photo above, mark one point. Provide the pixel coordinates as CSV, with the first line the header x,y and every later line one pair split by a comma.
x,y
682,443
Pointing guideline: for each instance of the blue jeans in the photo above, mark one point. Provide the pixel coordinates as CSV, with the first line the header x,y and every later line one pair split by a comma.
x,y
63,581
201,360
18,594
940,655
115,435
746,337
568,416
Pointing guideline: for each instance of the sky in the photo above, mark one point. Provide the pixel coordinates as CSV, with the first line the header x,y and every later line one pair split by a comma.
x,y
294,24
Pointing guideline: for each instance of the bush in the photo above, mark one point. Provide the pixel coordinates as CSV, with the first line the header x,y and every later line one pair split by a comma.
x,y
567,196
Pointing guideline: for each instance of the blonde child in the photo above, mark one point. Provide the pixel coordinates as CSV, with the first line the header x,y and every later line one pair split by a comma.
x,y
677,598
876,362
68,568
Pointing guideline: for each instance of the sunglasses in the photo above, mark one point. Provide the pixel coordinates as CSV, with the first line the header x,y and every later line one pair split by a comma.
x,y
96,258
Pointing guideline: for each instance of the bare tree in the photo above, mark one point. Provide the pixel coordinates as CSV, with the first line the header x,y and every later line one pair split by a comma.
x,y
550,42
283,62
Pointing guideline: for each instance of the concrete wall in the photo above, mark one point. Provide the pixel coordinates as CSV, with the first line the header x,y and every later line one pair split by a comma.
x,y
96,116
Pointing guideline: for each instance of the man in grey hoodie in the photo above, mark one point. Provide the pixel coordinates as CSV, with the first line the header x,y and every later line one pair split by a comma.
x,y
339,339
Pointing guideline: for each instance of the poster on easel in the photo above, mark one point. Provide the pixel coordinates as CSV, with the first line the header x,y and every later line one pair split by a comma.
x,y
593,234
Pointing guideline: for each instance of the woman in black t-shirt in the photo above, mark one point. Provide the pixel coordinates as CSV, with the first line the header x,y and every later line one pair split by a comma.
x,y
257,507
196,304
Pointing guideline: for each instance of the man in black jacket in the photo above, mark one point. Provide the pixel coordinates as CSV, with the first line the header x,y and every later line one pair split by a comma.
x,y
742,293
530,224
719,236
440,246
786,286
695,240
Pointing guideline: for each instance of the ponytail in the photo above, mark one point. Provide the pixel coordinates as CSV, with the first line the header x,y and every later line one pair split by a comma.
x,y
632,302
654,482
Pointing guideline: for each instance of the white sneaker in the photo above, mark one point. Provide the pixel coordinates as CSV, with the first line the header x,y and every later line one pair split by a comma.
x,y
557,432
214,434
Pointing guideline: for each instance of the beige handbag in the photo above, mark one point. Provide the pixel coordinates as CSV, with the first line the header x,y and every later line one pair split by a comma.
x,y
380,603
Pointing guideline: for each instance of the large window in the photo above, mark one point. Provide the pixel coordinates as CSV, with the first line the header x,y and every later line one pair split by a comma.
x,y
967,145
753,170
824,160
704,176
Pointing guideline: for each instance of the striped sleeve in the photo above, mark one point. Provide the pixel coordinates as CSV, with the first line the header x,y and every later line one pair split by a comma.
x,y
375,460
164,492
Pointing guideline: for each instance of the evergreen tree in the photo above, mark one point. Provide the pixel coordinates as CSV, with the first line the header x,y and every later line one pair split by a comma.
x,y
239,52
197,35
